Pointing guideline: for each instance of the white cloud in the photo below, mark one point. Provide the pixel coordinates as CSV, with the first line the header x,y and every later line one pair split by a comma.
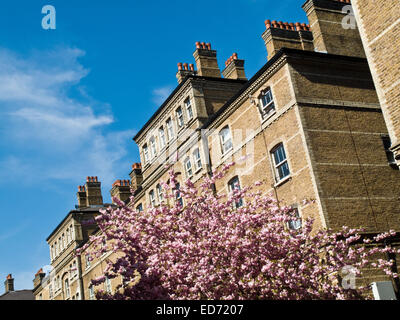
x,y
161,94
46,133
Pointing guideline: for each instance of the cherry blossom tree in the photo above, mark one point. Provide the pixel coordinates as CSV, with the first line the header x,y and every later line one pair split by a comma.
x,y
234,246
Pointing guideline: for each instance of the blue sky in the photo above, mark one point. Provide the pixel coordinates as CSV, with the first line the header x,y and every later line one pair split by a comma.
x,y
71,99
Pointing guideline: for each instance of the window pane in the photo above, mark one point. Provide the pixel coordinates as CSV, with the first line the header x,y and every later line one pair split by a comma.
x,y
283,170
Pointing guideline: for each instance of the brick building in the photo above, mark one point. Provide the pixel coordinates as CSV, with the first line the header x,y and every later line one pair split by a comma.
x,y
379,24
308,123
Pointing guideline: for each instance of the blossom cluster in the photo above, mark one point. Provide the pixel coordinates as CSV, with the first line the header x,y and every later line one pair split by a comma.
x,y
206,247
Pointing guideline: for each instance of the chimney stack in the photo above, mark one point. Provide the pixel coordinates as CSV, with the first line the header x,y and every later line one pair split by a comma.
x,y
234,68
38,278
93,192
9,283
121,189
136,176
90,194
81,195
184,70
206,60
329,27
280,34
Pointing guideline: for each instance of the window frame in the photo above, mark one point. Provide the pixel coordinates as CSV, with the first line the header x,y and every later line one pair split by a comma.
x,y
180,121
188,170
197,159
146,154
188,106
277,166
270,105
153,147
225,150
232,189
293,222
162,137
160,193
170,129
152,198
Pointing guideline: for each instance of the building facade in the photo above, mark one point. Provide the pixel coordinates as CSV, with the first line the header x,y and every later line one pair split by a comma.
x,y
309,124
379,25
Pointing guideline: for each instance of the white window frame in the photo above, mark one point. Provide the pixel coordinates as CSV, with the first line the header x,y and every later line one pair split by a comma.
x,y
87,260
298,224
188,167
231,188
268,109
170,129
152,198
161,133
179,118
153,147
160,193
189,109
226,140
146,153
91,292
197,159
107,285
280,164
67,289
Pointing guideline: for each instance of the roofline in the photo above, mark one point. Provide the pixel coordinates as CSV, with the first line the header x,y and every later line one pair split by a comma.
x,y
73,213
270,62
189,76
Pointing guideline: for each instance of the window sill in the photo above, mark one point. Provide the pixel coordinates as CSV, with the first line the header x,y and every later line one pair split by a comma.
x,y
265,118
283,181
227,152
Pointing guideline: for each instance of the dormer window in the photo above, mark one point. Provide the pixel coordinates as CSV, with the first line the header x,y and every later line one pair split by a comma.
x,y
179,117
267,105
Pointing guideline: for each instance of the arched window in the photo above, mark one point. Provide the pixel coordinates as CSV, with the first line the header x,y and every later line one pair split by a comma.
x,y
280,162
226,139
139,208
233,185
267,105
